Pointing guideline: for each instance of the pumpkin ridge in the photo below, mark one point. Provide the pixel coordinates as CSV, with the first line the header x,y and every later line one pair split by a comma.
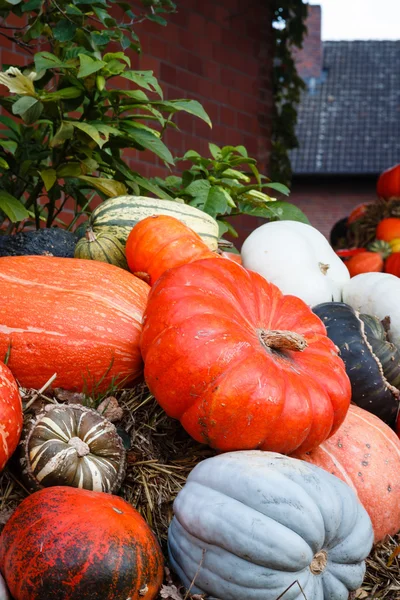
x,y
379,430
395,391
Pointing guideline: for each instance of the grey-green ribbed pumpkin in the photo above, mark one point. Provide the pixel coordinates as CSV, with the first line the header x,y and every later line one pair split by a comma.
x,y
103,246
117,217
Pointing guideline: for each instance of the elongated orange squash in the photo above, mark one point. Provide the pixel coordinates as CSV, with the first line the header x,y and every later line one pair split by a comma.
x,y
10,415
77,318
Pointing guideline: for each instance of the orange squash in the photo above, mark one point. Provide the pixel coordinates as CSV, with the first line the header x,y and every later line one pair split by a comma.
x,y
10,414
73,544
388,184
392,264
365,262
159,243
232,256
388,229
77,318
365,453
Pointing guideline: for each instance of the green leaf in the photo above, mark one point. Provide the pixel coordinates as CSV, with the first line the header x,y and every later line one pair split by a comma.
x,y
117,56
100,38
150,141
46,60
138,95
8,122
230,229
153,188
64,31
109,187
156,19
90,130
215,151
4,164
64,94
71,9
49,177
216,202
279,187
32,5
242,150
12,208
103,16
234,174
144,79
89,65
9,145
64,132
283,211
28,108
191,155
72,169
190,106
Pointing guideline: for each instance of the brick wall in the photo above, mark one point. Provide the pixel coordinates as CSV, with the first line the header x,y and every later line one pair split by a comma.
x,y
327,200
309,58
217,52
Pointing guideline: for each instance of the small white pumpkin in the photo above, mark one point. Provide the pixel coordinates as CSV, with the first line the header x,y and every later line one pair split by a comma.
x,y
249,525
298,259
4,593
376,294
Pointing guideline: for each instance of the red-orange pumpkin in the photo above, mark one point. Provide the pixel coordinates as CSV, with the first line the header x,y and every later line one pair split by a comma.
x,y
364,262
388,185
159,243
240,364
357,212
365,453
388,229
10,414
232,256
392,264
73,544
78,318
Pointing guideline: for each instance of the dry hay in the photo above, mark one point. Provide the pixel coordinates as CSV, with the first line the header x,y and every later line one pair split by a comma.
x,y
160,456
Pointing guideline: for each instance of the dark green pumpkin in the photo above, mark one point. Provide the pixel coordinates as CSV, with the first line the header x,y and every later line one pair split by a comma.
x,y
104,247
372,362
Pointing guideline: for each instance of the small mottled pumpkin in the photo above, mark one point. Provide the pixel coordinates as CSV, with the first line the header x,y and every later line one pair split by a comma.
x,y
388,229
388,184
372,363
66,543
10,414
365,453
72,445
103,247
262,526
159,243
240,364
78,319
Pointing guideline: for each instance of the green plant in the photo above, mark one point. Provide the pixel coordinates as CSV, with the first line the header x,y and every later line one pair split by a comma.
x,y
228,184
76,118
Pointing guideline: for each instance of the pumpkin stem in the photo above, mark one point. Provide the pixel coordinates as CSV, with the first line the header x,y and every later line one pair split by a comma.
x,y
319,562
80,446
90,235
143,276
323,268
282,340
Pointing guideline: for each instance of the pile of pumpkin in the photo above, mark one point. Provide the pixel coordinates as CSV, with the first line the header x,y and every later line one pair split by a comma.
x,y
371,233
296,390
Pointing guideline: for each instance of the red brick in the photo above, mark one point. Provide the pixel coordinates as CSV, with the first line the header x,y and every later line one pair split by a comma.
x,y
197,24
227,116
195,64
149,63
168,73
156,46
13,58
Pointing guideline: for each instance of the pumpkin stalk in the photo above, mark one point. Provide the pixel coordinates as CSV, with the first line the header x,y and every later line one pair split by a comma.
x,y
277,339
80,446
319,563
90,235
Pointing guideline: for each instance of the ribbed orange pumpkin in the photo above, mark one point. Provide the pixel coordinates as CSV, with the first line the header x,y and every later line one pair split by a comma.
x,y
232,256
66,543
388,229
388,185
365,262
365,453
240,364
159,243
78,318
10,414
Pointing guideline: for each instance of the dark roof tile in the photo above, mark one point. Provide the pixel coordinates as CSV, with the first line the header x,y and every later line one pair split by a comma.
x,y
350,123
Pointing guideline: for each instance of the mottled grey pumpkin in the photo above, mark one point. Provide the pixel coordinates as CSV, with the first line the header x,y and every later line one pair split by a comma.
x,y
253,524
74,446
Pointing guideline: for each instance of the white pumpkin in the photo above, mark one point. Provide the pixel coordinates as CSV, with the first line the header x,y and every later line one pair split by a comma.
x,y
4,593
249,525
298,259
376,294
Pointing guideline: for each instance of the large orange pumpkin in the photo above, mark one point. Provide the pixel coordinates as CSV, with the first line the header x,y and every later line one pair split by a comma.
x,y
160,242
240,364
388,185
10,414
66,543
80,319
365,453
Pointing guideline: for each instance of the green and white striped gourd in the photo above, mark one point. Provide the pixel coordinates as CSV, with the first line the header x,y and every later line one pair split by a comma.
x,y
72,445
117,216
103,246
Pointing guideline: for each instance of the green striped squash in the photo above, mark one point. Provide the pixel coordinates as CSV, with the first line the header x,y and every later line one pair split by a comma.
x,y
103,246
117,216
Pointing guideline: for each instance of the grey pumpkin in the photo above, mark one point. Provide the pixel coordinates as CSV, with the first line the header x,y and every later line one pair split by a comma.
x,y
74,446
249,525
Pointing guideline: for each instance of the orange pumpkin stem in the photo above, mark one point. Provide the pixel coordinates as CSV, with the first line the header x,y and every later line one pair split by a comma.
x,y
143,276
283,340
